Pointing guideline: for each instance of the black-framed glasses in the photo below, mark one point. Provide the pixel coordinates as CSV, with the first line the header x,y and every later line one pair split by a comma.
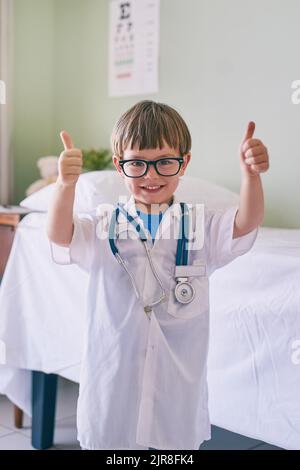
x,y
136,168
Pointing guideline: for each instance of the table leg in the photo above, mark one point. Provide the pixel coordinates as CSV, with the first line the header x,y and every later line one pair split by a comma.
x,y
44,387
18,417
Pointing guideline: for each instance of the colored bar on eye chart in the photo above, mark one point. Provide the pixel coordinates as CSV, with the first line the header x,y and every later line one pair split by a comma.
x,y
133,47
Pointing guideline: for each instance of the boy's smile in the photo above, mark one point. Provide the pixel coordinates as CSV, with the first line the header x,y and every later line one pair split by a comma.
x,y
152,188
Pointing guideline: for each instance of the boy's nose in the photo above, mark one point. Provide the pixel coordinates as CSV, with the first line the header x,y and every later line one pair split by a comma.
x,y
151,172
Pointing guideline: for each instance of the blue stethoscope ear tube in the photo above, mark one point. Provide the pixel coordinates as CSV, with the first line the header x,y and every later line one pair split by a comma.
x,y
182,252
184,291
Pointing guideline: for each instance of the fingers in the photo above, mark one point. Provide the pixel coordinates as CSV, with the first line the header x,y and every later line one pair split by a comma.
x,y
70,162
66,140
72,170
256,151
73,155
255,160
253,152
251,143
260,168
250,131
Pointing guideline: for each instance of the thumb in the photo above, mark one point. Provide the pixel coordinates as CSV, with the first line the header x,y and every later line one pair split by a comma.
x,y
66,140
249,132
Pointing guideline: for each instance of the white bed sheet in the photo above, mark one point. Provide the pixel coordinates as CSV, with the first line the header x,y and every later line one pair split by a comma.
x,y
41,303
254,358
254,385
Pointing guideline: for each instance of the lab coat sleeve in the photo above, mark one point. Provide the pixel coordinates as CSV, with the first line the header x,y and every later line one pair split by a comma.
x,y
81,249
221,248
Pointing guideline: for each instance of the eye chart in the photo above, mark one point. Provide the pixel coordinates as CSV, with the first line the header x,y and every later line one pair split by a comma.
x,y
133,47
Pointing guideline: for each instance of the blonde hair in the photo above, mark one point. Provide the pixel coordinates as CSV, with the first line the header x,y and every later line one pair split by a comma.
x,y
147,125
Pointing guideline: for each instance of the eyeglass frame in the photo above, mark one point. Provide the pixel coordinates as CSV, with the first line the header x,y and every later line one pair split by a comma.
x,y
180,160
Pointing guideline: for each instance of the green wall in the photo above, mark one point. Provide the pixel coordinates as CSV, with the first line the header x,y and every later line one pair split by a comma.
x,y
33,89
221,64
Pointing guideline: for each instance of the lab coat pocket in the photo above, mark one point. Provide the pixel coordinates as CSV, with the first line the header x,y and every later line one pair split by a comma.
x,y
197,277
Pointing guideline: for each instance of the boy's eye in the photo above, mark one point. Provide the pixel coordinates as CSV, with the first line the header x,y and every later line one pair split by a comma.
x,y
166,162
135,164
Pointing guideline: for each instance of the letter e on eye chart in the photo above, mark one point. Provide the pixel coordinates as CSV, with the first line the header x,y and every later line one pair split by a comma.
x,y
133,47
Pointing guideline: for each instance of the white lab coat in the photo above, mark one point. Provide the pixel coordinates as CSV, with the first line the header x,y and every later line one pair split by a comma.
x,y
143,382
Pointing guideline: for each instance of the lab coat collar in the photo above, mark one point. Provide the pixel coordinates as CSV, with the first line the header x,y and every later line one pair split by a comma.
x,y
171,214
175,209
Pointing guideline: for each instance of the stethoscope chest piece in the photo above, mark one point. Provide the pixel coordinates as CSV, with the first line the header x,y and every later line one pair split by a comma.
x,y
184,292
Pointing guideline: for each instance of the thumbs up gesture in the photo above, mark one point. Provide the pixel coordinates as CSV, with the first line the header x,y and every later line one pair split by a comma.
x,y
254,156
70,161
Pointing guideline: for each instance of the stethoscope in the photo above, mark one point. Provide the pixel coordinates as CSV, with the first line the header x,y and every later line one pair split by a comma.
x,y
184,291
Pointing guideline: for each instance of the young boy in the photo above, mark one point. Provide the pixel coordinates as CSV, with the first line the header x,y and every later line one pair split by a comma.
x,y
143,376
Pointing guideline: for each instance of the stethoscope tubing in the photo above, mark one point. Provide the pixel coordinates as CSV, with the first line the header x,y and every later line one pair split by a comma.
x,y
181,252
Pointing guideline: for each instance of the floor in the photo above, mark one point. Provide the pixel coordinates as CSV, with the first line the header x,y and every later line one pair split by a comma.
x,y
65,429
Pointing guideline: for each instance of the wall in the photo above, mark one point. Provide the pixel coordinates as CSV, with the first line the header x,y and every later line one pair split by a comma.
x,y
221,65
33,89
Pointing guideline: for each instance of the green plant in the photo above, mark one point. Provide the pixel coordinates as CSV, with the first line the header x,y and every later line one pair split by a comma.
x,y
99,159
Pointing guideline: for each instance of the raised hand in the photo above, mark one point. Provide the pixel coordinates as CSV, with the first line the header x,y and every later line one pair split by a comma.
x,y
253,153
70,162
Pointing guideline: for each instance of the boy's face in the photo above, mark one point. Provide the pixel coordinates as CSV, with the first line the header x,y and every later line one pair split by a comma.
x,y
163,186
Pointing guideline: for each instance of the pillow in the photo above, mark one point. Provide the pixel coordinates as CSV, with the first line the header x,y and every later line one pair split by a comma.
x,y
196,190
96,187
39,200
92,188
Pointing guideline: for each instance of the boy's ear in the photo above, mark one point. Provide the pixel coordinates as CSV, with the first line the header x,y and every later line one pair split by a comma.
x,y
186,161
115,160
